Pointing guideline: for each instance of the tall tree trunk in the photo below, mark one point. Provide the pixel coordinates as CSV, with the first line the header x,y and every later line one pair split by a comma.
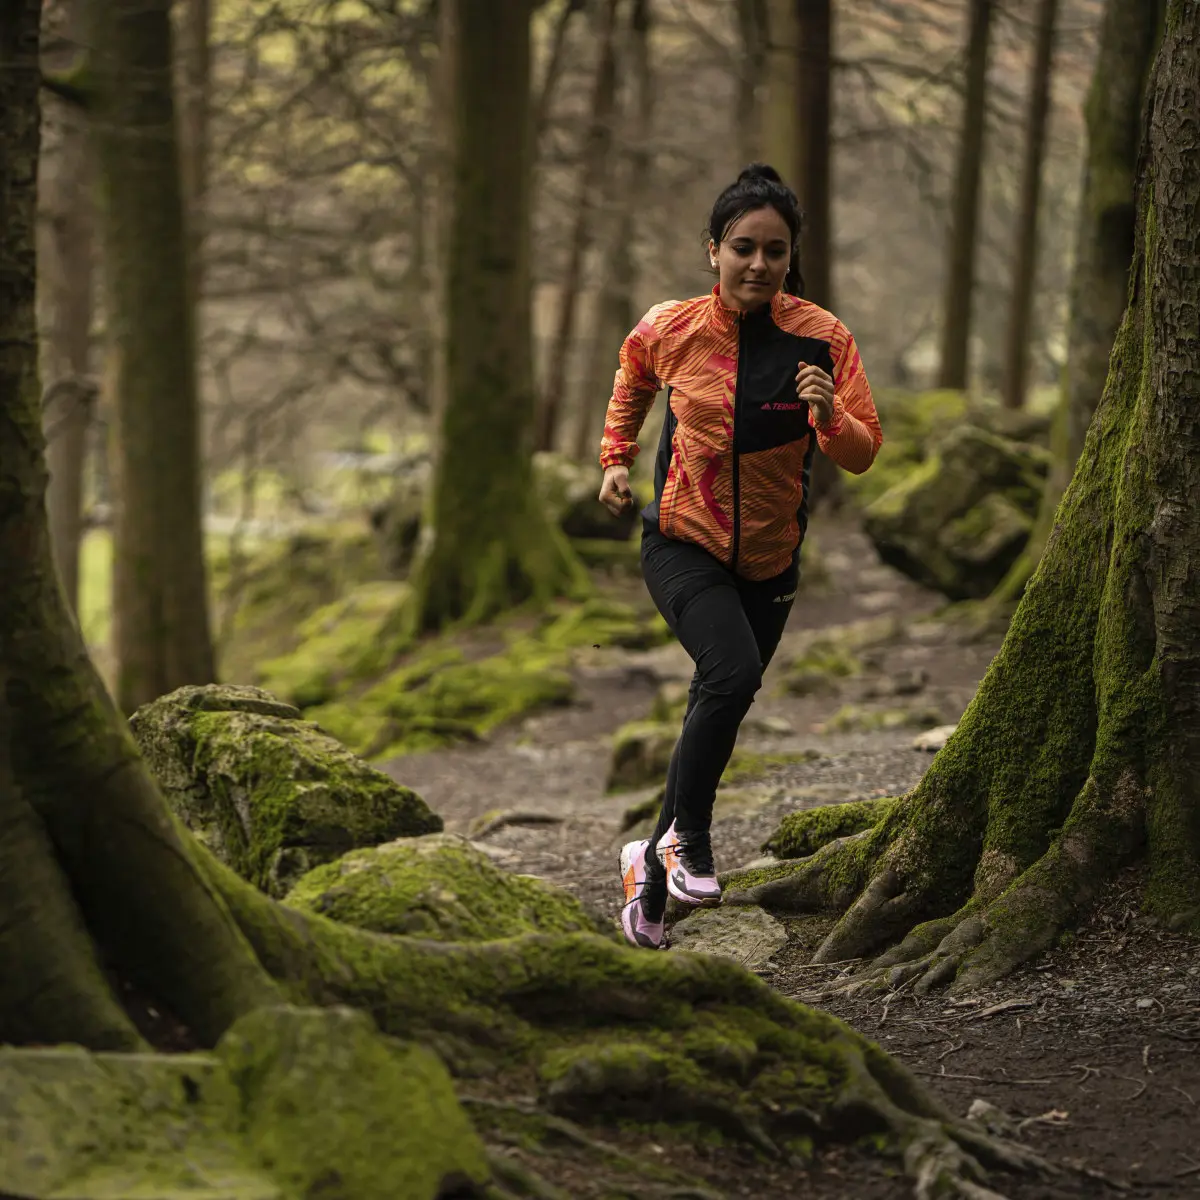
x,y
596,153
554,64
617,305
814,38
195,37
160,603
1020,311
1081,750
65,294
752,39
488,545
79,815
964,212
1129,36
781,112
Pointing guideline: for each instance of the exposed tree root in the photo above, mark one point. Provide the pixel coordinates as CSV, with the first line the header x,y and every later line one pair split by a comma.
x,y
604,1032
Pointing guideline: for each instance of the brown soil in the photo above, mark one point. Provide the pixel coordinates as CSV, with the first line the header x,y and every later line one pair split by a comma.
x,y
1094,1058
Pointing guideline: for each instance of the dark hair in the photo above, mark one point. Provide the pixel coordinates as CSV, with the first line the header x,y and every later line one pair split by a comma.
x,y
761,186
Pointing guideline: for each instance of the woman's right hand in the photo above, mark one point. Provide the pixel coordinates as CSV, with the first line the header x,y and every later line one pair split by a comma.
x,y
614,491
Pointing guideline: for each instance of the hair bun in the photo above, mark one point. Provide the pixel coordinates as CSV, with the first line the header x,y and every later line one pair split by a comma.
x,y
760,171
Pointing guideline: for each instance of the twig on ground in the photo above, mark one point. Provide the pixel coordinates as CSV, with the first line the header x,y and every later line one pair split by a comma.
x,y
1141,1086
1186,1095
952,1050
515,816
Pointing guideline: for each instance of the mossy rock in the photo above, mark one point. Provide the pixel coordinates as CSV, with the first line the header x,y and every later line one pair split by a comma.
x,y
284,583
269,793
641,754
959,521
858,718
348,639
439,887
439,698
293,1102
819,669
803,833
598,622
747,766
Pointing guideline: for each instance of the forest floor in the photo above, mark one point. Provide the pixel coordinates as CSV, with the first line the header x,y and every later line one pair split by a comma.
x,y
1091,1054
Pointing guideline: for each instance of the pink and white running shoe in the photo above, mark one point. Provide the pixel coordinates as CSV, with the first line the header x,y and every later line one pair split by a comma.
x,y
688,860
638,931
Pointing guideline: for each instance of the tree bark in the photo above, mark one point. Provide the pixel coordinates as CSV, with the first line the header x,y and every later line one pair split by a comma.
x,y
617,305
964,212
1129,36
160,603
487,545
65,296
1020,311
753,35
554,65
596,154
74,781
781,112
195,68
814,37
1081,749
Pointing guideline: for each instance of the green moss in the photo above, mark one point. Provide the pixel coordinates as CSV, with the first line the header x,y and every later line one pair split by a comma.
x,y
823,662
268,793
290,1102
598,622
340,642
746,766
802,833
438,698
855,718
641,754
437,887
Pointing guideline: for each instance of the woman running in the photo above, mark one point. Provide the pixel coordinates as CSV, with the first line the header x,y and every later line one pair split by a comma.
x,y
756,379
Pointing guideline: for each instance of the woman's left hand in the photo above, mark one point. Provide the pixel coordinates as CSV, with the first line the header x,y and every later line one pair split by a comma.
x,y
815,386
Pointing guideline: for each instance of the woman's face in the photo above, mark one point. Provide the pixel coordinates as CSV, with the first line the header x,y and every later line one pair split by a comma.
x,y
753,258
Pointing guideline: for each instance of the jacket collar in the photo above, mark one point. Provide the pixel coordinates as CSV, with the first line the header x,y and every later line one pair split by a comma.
x,y
725,318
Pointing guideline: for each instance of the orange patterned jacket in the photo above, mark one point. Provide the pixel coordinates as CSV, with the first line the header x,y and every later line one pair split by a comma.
x,y
735,456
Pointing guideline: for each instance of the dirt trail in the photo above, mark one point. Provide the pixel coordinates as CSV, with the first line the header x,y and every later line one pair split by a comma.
x,y
1098,1051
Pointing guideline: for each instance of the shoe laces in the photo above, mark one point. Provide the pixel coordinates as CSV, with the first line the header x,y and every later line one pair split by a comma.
x,y
651,897
695,849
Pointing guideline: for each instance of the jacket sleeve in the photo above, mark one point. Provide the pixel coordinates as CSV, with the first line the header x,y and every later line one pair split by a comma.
x,y
634,389
852,437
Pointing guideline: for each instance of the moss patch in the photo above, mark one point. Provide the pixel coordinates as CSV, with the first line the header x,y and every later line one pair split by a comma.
x,y
349,639
747,766
438,887
270,794
857,718
292,1103
641,754
803,833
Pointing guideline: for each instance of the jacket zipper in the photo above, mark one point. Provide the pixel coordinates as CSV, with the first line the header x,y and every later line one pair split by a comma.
x,y
737,401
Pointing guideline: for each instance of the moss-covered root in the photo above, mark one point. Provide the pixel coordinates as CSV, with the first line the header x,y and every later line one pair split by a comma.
x,y
605,1032
804,832
983,942
828,880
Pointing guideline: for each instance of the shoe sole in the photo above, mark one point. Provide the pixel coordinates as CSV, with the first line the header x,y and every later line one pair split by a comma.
x,y
695,901
626,860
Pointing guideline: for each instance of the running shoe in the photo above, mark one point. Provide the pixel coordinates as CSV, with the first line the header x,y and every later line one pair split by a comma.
x,y
688,860
638,930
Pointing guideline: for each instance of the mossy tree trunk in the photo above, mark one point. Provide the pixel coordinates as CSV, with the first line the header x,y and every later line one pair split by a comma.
x,y
954,370
160,606
1081,750
1020,308
487,544
1129,35
98,882
594,164
65,298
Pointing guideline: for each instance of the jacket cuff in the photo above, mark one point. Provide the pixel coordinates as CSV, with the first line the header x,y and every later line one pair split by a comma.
x,y
615,458
833,426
